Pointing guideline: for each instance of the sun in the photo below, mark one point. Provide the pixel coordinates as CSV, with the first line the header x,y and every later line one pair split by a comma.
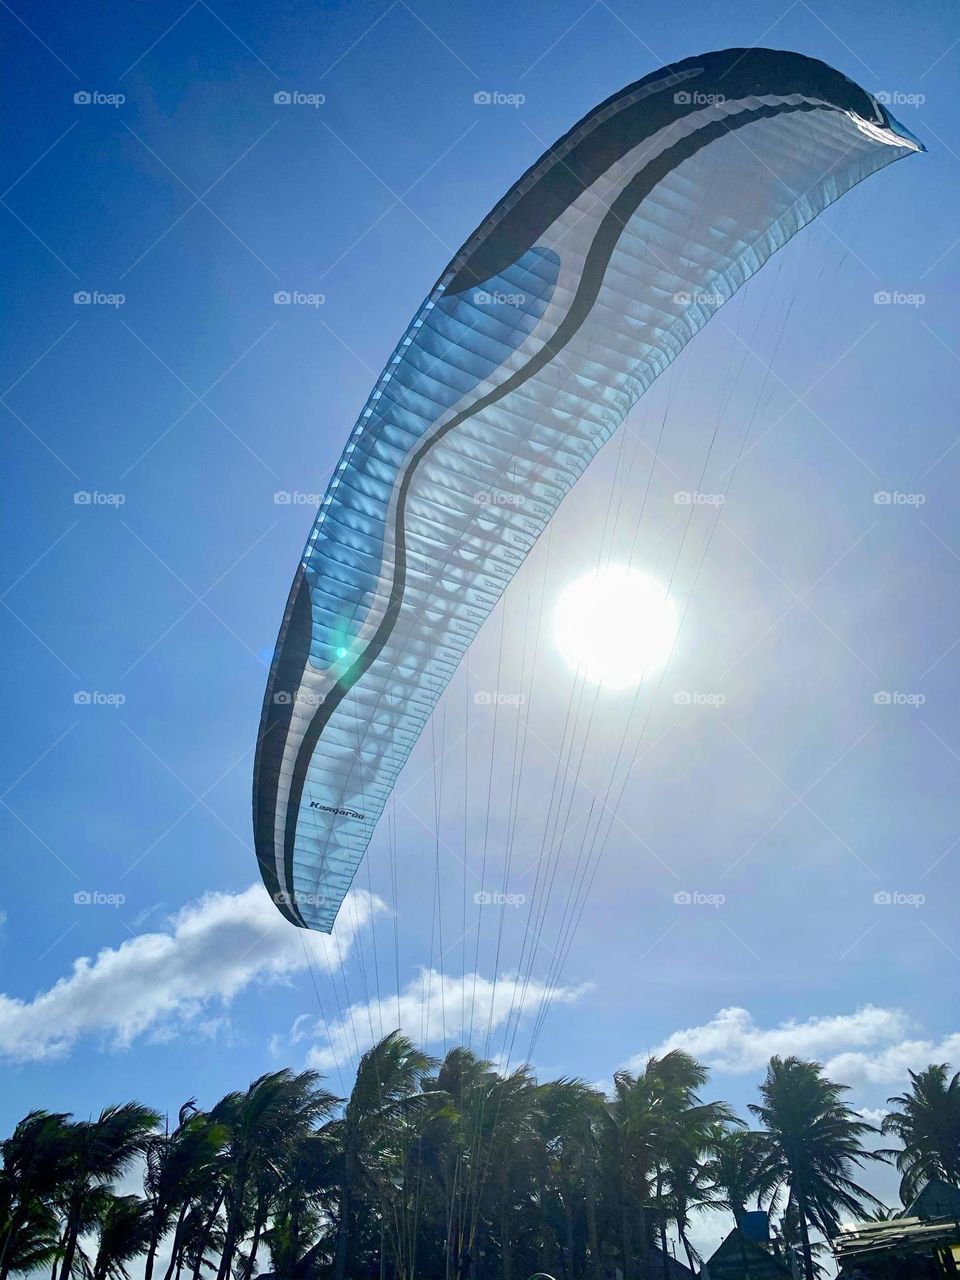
x,y
615,626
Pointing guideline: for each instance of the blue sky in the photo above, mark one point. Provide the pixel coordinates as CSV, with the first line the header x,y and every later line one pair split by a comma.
x,y
187,407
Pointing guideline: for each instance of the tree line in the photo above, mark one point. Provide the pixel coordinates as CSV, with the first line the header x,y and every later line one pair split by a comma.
x,y
451,1170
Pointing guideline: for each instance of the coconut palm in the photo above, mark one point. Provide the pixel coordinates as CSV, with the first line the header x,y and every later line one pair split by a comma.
x,y
98,1152
739,1171
123,1233
262,1126
504,1175
369,1135
814,1142
570,1112
34,1159
181,1169
927,1123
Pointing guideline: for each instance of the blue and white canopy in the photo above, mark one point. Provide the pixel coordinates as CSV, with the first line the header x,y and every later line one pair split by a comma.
x,y
581,286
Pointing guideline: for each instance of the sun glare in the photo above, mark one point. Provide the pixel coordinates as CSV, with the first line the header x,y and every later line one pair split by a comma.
x,y
615,626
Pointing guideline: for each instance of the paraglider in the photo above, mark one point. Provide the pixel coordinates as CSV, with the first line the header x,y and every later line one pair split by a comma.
x,y
582,285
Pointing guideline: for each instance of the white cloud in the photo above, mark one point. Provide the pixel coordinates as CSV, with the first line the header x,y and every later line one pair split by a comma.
x,y
435,1009
868,1047
211,951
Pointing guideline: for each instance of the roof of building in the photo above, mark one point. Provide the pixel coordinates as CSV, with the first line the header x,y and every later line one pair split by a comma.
x,y
936,1200
862,1240
727,1262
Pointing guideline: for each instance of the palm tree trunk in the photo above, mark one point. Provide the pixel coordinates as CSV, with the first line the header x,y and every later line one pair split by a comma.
x,y
343,1223
688,1250
254,1246
13,1226
626,1239
805,1236
177,1246
156,1230
592,1240
644,1236
506,1244
71,1236
571,1249
207,1228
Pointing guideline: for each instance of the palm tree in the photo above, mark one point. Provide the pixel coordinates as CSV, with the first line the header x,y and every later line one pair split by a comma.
x,y
927,1123
298,1236
738,1169
570,1111
814,1144
98,1151
34,1159
653,1117
504,1164
180,1169
262,1125
123,1231
443,1155
690,1129
384,1093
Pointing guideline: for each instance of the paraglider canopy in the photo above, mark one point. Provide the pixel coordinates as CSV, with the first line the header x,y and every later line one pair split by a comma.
x,y
581,286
